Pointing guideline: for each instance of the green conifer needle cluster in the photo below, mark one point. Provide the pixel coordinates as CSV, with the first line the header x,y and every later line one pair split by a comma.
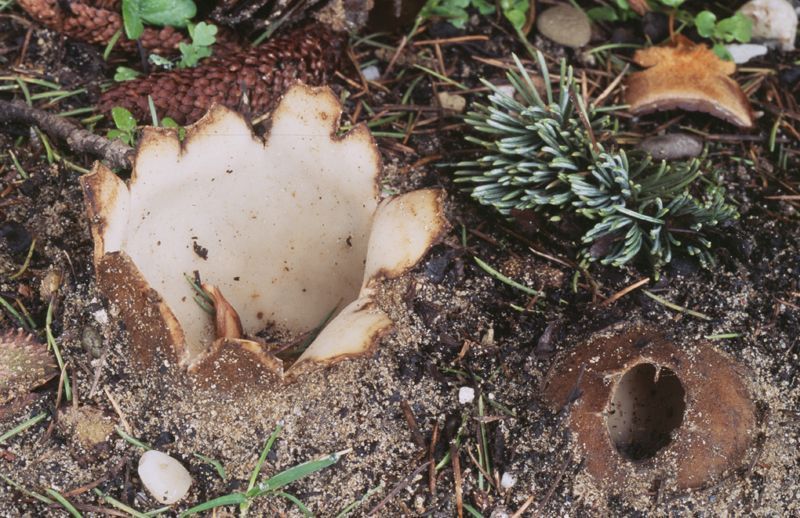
x,y
547,155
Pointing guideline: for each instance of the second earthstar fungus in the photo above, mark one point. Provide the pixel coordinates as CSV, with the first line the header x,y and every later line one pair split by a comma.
x,y
286,236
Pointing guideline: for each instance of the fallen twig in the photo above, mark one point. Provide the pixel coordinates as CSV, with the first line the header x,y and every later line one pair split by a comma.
x,y
79,140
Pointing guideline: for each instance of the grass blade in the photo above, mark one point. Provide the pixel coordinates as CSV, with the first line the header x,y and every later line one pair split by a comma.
x,y
295,473
222,501
22,427
64,502
296,501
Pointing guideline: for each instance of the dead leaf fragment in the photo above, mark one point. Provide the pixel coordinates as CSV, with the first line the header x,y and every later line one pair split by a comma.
x,y
690,77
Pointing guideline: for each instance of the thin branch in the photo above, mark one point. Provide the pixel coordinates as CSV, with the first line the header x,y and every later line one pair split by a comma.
x,y
79,140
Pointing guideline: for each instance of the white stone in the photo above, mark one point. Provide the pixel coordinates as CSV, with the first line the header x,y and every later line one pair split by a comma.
x,y
773,20
371,73
565,25
744,52
454,102
507,481
164,477
466,395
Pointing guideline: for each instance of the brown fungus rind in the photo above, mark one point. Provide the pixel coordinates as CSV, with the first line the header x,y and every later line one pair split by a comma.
x,y
690,77
718,421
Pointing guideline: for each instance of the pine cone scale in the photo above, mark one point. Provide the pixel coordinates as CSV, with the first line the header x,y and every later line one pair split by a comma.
x,y
306,54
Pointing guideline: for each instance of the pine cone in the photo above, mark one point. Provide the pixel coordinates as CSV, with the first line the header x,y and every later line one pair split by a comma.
x,y
96,22
251,80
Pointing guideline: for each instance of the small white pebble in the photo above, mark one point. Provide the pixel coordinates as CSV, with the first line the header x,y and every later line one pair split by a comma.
x,y
466,395
164,477
101,316
507,481
371,73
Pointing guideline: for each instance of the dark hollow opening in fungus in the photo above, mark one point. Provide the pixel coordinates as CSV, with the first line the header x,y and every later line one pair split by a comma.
x,y
646,406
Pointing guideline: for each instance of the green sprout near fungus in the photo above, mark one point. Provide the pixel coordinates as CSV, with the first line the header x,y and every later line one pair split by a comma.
x,y
548,155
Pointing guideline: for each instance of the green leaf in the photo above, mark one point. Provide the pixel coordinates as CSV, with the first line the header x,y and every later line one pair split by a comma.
x,y
169,122
705,22
720,50
737,27
125,74
175,13
131,19
672,3
516,17
602,14
192,54
160,61
123,119
483,6
203,33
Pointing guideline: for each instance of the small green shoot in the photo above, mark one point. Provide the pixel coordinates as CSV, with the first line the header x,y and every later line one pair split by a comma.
x,y
271,486
675,307
455,11
203,37
734,28
132,440
128,509
126,126
22,172
52,344
264,452
502,278
64,502
125,74
31,494
216,464
516,12
24,323
201,298
344,513
27,262
111,43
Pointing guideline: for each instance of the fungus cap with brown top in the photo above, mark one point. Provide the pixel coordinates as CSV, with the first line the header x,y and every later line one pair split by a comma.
x,y
646,409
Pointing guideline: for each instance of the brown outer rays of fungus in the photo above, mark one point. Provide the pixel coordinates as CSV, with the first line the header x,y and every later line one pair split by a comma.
x,y
645,410
287,237
688,76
